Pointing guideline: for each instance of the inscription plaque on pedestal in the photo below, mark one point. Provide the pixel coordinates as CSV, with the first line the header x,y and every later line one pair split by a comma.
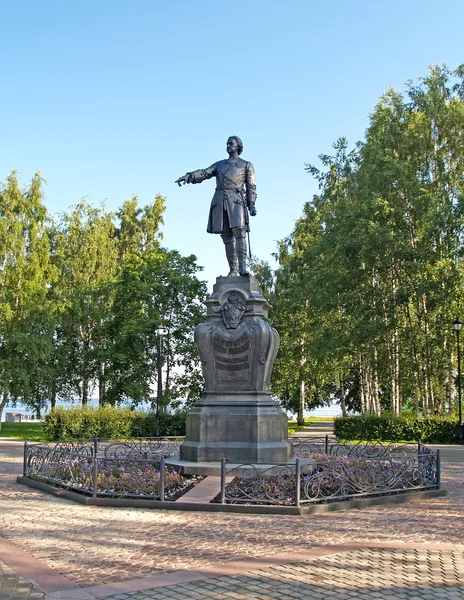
x,y
232,357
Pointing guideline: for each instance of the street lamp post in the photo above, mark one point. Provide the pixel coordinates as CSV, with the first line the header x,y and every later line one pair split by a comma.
x,y
160,332
457,325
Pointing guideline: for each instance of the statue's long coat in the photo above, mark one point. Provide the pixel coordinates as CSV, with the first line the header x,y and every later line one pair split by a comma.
x,y
235,189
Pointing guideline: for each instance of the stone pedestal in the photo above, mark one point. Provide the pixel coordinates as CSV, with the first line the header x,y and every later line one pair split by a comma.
x,y
236,418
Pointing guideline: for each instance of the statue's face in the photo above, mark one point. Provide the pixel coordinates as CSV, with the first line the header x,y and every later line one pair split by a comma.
x,y
232,145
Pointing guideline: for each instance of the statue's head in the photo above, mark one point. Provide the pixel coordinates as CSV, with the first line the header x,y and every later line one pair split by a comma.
x,y
236,141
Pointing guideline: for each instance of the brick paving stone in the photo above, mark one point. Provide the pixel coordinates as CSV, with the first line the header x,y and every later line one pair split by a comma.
x,y
95,546
14,587
347,575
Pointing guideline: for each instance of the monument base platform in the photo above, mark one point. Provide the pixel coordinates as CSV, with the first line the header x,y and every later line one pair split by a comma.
x,y
240,427
206,469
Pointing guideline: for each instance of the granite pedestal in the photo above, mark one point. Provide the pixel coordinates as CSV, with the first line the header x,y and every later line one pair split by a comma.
x,y
236,418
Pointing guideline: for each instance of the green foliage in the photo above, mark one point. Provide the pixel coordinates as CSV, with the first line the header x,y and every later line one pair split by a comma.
x,y
389,428
155,288
80,301
85,423
109,422
25,274
370,280
86,256
146,424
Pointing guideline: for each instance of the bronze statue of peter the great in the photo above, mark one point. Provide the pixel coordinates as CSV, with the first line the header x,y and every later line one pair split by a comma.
x,y
235,195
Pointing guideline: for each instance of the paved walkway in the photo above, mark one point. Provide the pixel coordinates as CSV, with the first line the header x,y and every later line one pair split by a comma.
x,y
14,587
75,552
363,574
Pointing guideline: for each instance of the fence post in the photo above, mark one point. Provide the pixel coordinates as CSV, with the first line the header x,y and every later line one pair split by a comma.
x,y
95,476
419,447
25,460
162,479
327,444
223,480
297,482
438,469
95,446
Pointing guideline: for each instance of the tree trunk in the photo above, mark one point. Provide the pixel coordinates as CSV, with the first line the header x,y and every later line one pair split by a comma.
x,y
85,380
101,384
396,399
375,392
415,361
3,403
431,394
342,394
301,406
452,388
53,396
85,391
362,388
167,382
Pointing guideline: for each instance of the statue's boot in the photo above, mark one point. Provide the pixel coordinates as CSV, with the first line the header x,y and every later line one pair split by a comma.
x,y
242,256
231,254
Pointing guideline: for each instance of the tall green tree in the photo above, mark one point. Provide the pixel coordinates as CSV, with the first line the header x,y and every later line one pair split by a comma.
x,y
373,269
155,288
86,256
24,280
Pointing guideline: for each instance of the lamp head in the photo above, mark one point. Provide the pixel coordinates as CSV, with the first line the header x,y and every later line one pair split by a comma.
x,y
161,331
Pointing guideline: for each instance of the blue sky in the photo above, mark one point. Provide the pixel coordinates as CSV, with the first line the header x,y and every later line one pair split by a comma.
x,y
108,98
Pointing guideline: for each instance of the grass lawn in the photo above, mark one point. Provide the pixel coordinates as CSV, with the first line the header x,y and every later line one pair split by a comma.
x,y
293,427
31,432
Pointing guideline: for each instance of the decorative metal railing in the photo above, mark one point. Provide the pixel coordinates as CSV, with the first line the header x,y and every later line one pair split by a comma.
x,y
328,471
324,470
140,447
304,447
106,468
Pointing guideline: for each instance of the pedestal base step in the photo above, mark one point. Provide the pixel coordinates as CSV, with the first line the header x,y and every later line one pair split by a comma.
x,y
185,467
204,491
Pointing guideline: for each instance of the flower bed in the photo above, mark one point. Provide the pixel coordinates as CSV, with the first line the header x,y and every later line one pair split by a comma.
x,y
364,470
139,469
75,467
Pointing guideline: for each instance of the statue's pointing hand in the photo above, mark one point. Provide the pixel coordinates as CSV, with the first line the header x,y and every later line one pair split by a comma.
x,y
183,180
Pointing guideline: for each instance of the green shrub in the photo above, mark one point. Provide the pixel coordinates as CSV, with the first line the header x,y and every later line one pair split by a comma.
x,y
145,424
109,422
388,428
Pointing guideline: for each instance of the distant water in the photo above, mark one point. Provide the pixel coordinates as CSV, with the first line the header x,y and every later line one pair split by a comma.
x,y
29,416
333,410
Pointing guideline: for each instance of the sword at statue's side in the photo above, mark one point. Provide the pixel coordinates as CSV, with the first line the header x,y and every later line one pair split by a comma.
x,y
247,223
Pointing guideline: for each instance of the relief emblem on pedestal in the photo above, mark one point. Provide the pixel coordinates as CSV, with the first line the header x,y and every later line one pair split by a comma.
x,y
232,310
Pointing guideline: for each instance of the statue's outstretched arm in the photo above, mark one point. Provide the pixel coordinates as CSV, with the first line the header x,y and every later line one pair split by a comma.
x,y
197,176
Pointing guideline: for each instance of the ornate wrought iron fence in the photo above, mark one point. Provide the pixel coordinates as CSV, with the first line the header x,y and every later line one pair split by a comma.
x,y
343,472
254,484
147,448
132,469
325,470
303,447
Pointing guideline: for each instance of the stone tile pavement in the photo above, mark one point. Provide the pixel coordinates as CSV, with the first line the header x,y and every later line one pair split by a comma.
x,y
76,552
364,574
14,587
